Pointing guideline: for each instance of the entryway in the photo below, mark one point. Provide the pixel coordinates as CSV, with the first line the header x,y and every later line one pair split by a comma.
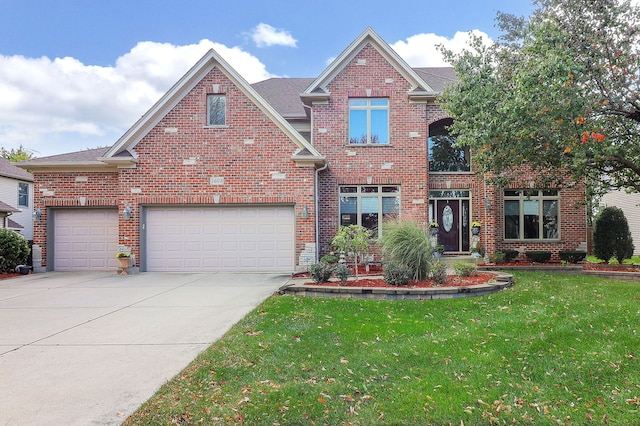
x,y
450,208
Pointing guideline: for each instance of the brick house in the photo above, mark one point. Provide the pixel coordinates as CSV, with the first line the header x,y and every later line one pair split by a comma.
x,y
221,175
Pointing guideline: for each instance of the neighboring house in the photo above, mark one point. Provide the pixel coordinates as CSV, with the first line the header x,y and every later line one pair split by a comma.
x,y
220,175
16,199
630,205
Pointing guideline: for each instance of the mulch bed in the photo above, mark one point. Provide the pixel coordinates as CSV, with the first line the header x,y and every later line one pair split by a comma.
x,y
11,275
452,281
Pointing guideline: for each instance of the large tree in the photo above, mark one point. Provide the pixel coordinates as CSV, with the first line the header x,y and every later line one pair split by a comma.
x,y
559,91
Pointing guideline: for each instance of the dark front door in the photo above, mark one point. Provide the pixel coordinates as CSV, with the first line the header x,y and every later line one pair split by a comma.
x,y
448,218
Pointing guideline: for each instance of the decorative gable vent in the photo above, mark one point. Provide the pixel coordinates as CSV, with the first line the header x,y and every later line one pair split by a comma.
x,y
361,62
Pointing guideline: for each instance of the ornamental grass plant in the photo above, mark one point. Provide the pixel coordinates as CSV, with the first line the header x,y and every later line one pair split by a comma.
x,y
553,349
406,242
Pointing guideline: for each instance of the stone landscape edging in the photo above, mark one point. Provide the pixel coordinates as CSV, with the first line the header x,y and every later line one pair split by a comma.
x,y
304,287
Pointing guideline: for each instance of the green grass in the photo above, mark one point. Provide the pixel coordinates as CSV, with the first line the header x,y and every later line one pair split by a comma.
x,y
635,260
554,349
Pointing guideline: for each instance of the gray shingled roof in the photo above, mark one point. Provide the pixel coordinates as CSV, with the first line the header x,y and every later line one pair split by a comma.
x,y
8,169
86,155
437,78
284,95
6,208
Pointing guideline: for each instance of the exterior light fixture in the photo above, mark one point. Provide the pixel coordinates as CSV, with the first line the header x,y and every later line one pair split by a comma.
x,y
126,212
37,214
304,214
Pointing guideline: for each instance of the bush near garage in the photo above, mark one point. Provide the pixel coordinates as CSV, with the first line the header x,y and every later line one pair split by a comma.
x,y
14,250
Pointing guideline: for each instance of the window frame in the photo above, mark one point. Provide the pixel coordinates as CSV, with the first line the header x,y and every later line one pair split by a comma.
x,y
360,192
545,229
23,194
368,107
224,109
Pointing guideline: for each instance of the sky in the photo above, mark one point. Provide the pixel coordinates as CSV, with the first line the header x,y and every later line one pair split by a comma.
x,y
76,74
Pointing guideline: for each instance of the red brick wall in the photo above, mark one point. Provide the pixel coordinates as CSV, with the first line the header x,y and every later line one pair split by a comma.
x,y
244,153
406,153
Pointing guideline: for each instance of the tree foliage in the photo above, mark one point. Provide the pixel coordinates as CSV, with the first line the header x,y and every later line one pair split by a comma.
x,y
17,154
14,250
352,240
611,237
558,91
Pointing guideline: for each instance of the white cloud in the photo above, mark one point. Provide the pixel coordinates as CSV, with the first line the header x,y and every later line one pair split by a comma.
x,y
265,35
62,105
421,50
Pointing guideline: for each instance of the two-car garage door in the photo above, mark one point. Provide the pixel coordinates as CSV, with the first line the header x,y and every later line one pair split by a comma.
x,y
181,239
230,239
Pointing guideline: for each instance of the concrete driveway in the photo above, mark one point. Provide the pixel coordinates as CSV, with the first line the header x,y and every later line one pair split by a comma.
x,y
90,348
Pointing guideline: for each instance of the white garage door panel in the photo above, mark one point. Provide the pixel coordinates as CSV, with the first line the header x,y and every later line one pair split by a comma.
x,y
238,239
85,239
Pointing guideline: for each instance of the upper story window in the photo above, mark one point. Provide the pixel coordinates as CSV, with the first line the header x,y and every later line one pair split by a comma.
x,y
23,194
531,214
369,121
444,154
368,206
216,110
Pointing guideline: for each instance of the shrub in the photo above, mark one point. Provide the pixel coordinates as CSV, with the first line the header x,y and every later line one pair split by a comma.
x,y
320,272
439,272
329,258
397,274
465,269
540,256
572,256
510,255
407,243
14,250
341,272
611,237
498,257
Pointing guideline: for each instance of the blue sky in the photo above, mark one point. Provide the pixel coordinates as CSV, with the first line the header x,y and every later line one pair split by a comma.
x,y
75,74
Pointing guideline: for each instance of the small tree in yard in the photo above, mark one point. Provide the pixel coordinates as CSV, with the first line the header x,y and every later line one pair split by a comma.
x,y
14,250
352,240
612,238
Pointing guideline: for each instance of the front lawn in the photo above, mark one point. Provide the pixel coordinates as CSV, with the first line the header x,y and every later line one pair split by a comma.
x,y
554,349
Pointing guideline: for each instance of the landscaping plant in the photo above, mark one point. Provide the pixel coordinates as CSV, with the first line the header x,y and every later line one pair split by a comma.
x,y
397,273
320,272
611,237
439,272
406,242
14,250
465,269
352,241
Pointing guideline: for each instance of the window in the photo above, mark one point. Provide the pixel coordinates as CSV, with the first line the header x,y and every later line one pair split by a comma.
x,y
369,121
531,215
216,110
444,154
366,205
23,194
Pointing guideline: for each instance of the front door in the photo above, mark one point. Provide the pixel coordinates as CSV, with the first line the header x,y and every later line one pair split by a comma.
x,y
452,216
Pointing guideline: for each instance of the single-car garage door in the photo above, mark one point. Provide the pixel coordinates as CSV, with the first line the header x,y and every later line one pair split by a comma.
x,y
229,239
85,239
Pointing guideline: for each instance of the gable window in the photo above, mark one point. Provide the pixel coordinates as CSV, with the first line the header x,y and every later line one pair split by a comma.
x,y
531,214
444,154
368,206
23,194
216,110
369,121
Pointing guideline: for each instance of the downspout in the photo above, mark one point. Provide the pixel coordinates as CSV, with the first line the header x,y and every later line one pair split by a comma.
x,y
315,190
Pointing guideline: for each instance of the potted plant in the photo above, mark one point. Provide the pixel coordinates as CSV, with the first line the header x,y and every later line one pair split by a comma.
x,y
438,251
124,259
433,226
475,227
